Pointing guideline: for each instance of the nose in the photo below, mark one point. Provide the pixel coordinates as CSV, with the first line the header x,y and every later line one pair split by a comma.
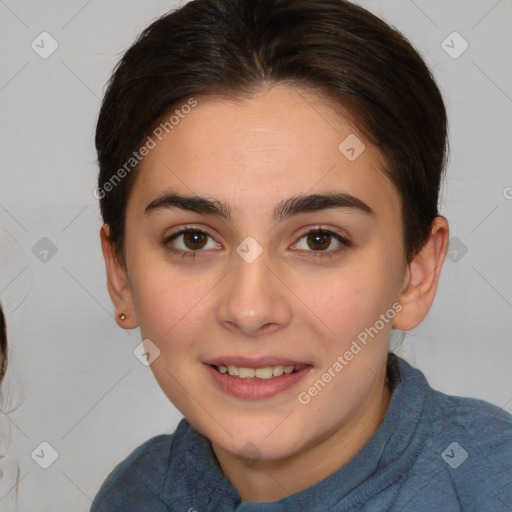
x,y
254,301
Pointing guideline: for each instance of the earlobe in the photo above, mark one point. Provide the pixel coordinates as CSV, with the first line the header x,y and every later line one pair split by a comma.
x,y
422,277
118,285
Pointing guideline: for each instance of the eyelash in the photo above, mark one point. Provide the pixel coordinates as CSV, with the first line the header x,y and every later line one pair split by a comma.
x,y
314,254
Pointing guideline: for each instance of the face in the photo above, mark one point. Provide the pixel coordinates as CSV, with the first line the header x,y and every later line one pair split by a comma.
x,y
254,280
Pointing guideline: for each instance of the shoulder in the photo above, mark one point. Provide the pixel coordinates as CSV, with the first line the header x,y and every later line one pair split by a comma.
x,y
138,480
461,448
474,440
457,415
484,424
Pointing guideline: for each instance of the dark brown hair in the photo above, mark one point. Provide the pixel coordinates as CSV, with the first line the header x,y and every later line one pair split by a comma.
x,y
3,345
234,47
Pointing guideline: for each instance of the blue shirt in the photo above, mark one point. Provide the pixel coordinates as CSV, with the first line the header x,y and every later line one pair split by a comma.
x,y
432,452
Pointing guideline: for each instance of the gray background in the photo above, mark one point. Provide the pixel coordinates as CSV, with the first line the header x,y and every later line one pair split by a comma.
x,y
73,381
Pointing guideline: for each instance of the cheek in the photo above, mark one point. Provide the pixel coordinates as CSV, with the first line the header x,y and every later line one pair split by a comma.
x,y
351,298
352,306
166,299
167,310
161,294
170,313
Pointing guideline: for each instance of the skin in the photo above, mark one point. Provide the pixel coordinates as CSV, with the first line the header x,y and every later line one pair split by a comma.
x,y
252,154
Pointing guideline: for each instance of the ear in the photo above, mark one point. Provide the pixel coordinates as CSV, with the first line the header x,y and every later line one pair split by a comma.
x,y
118,285
422,277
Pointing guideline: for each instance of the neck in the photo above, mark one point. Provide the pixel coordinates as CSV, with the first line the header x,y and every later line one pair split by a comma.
x,y
273,480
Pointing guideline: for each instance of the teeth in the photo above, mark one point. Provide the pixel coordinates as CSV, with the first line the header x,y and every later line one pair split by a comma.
x,y
246,373
233,371
277,371
264,373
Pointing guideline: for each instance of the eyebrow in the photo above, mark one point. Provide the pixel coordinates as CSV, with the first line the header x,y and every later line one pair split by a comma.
x,y
292,206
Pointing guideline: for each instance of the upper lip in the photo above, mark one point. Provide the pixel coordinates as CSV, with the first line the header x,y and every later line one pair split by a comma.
x,y
255,362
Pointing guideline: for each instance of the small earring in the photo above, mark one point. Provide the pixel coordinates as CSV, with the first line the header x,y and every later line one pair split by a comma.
x,y
122,316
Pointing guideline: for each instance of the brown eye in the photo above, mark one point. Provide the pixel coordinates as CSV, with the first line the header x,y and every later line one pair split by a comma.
x,y
194,240
317,242
320,240
189,242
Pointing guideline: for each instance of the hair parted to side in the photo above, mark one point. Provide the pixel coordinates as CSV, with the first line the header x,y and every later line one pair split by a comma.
x,y
234,48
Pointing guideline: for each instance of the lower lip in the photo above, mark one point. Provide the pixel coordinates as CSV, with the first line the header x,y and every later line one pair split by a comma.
x,y
256,388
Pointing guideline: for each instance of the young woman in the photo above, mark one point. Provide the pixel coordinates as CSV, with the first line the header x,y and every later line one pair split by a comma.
x,y
269,179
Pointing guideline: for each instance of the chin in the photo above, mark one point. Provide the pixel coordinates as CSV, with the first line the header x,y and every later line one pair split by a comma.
x,y
262,442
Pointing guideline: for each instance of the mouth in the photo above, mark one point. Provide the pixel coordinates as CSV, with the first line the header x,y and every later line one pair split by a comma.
x,y
256,378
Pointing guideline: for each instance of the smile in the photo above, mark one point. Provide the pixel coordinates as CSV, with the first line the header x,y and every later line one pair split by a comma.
x,y
256,383
263,373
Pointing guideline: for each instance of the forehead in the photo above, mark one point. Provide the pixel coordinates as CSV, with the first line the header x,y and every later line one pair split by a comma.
x,y
258,150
